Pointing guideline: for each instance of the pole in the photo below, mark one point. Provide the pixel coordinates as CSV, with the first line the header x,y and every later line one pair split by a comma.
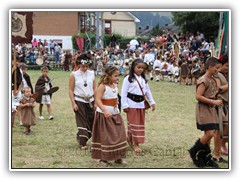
x,y
97,31
15,71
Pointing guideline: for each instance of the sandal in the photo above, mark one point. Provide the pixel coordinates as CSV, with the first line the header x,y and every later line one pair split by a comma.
x,y
129,142
137,149
121,162
84,148
104,163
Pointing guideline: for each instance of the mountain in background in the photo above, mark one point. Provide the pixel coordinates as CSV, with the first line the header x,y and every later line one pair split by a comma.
x,y
152,19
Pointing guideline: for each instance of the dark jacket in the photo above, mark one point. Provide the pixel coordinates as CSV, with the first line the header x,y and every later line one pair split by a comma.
x,y
19,78
28,80
40,86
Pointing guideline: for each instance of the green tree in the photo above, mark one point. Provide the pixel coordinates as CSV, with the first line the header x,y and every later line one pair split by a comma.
x,y
156,31
205,22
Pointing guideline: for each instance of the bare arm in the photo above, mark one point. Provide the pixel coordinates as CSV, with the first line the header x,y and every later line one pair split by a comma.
x,y
200,96
98,100
71,92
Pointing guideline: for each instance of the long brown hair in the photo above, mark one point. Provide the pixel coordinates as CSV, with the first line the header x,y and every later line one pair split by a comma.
x,y
108,72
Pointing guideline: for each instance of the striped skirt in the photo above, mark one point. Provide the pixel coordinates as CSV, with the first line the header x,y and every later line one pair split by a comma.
x,y
108,138
84,120
136,125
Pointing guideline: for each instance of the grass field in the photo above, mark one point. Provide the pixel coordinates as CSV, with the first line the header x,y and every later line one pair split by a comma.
x,y
170,131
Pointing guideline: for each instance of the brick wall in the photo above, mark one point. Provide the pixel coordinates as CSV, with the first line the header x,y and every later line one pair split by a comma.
x,y
55,23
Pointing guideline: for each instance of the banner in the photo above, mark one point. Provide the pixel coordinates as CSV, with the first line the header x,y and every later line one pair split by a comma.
x,y
80,42
21,27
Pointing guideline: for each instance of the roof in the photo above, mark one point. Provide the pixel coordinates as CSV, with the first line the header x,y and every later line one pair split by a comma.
x,y
134,17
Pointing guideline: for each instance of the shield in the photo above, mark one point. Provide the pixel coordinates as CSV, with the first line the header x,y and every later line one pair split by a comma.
x,y
39,61
35,95
52,90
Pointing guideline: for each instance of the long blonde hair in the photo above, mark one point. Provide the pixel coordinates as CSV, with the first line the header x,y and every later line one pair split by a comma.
x,y
108,72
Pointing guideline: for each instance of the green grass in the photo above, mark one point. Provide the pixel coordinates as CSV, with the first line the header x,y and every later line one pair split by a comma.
x,y
170,131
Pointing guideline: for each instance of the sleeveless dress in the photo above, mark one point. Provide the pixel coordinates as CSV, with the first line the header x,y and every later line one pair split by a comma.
x,y
109,136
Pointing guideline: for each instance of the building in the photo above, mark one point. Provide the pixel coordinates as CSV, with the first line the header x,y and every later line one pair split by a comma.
x,y
62,25
59,26
123,23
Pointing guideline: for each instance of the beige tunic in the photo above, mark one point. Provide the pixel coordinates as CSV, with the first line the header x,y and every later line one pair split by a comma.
x,y
27,115
206,114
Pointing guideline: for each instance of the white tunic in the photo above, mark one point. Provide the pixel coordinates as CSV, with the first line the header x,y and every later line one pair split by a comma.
x,y
134,88
110,93
79,88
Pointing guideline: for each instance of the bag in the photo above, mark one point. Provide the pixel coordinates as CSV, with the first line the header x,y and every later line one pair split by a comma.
x,y
146,103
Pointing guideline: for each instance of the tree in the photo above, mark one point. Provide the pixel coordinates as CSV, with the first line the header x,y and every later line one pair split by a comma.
x,y
156,31
205,22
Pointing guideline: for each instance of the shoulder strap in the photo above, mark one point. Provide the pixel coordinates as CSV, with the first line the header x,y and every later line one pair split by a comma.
x,y
139,86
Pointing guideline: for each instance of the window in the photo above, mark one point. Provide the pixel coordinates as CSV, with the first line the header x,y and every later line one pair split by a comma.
x,y
107,27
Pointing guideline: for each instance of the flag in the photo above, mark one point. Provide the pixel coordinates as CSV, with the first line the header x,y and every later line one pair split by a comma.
x,y
223,34
80,42
21,27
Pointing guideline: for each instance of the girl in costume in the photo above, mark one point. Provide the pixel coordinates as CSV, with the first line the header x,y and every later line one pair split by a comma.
x,y
81,93
109,136
134,88
27,115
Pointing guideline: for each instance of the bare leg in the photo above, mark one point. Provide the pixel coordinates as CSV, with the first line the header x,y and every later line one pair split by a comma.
x,y
40,109
49,109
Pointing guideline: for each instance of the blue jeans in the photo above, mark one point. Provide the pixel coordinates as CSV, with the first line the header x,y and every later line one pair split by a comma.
x,y
57,55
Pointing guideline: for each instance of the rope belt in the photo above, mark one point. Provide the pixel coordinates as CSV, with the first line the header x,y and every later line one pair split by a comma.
x,y
87,98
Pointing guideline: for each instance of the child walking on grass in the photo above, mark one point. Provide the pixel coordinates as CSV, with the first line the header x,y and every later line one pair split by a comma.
x,y
206,115
42,86
108,133
27,115
134,90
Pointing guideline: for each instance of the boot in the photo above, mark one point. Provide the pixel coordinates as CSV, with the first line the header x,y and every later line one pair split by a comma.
x,y
208,158
197,153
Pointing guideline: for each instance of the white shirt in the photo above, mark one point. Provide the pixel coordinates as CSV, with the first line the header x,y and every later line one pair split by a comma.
x,y
79,88
133,44
134,88
176,71
148,58
157,64
170,68
110,93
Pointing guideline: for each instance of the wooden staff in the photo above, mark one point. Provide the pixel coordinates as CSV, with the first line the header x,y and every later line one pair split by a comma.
x,y
15,72
220,111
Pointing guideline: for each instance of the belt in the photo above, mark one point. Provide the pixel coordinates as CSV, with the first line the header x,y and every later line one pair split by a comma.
x,y
87,98
110,102
135,98
209,105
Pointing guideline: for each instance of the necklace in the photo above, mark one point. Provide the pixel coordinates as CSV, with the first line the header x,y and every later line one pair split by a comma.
x,y
114,89
85,81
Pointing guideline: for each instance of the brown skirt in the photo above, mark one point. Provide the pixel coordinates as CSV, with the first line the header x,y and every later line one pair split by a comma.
x,y
136,125
84,120
108,138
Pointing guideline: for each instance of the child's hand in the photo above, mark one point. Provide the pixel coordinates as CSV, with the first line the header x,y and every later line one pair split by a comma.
x,y
218,102
126,110
153,107
75,107
107,114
